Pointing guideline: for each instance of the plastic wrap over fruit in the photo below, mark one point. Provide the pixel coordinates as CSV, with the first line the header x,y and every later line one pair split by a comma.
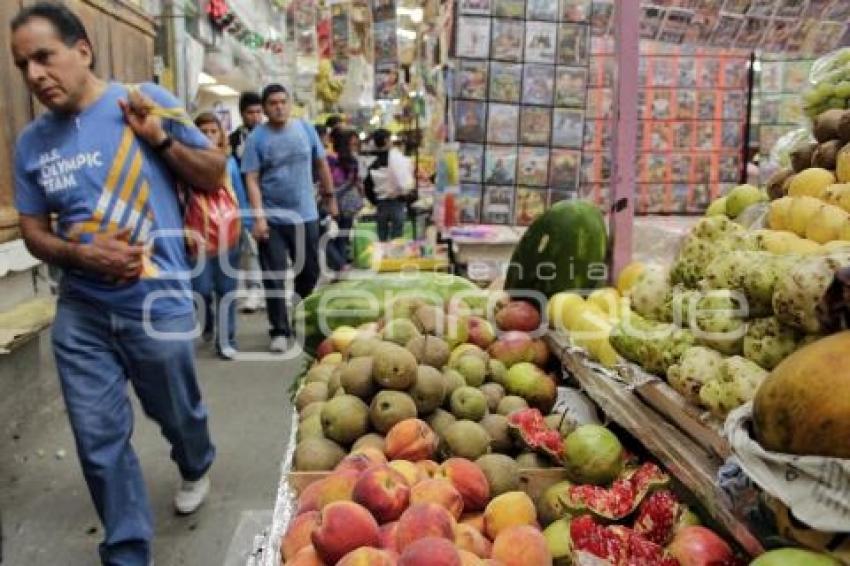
x,y
780,155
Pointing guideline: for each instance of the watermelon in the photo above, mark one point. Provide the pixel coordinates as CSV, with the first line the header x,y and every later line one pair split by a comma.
x,y
564,249
357,301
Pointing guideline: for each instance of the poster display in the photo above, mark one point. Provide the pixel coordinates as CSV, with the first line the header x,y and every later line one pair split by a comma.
x,y
519,107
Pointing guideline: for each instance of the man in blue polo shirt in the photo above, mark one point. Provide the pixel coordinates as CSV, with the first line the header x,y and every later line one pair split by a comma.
x,y
105,166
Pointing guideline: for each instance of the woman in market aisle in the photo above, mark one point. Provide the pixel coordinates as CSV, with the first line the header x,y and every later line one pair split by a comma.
x,y
389,185
217,279
349,191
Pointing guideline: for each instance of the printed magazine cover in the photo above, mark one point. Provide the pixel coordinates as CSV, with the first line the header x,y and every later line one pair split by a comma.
x,y
471,81
507,41
530,203
469,204
502,123
572,44
540,42
535,124
533,166
567,127
473,37
500,165
563,169
497,207
538,84
505,81
470,159
470,124
509,8
570,86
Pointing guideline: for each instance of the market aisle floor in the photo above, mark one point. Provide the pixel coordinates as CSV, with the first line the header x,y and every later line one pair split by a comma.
x,y
47,516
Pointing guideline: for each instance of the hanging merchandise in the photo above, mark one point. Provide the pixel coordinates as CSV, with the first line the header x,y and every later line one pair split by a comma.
x,y
359,88
328,88
340,37
387,79
306,35
226,20
323,33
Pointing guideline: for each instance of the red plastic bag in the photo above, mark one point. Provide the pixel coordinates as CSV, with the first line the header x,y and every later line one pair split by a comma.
x,y
211,220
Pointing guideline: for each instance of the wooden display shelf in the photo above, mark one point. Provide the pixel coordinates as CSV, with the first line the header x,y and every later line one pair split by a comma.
x,y
694,466
690,419
532,481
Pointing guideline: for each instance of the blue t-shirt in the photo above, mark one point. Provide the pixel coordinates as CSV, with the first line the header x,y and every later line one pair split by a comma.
x,y
284,158
95,175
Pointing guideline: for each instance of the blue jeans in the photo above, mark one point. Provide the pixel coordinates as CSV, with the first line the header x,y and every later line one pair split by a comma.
x,y
215,282
97,354
391,215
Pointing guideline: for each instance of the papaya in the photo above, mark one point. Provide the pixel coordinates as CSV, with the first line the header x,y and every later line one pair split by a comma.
x,y
803,406
564,249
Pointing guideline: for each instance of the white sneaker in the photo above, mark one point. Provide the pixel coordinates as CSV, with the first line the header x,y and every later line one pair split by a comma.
x,y
279,344
191,495
253,302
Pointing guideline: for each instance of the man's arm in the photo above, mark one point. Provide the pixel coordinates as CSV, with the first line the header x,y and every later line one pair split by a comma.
x,y
203,169
326,186
108,254
255,197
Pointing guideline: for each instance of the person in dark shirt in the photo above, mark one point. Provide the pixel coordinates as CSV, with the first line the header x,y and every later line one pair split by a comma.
x,y
389,186
251,110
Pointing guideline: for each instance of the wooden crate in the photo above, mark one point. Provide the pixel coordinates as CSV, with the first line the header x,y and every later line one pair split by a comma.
x,y
532,481
694,466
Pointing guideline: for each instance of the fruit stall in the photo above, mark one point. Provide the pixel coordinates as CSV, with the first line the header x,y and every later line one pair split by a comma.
x,y
689,409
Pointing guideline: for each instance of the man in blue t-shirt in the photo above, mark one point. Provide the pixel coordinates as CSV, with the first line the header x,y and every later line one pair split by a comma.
x,y
105,166
278,164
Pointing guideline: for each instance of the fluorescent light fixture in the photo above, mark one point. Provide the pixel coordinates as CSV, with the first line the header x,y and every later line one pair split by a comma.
x,y
362,136
406,33
205,79
394,138
415,14
222,90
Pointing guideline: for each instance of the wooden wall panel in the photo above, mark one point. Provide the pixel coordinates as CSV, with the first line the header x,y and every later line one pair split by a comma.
x,y
123,40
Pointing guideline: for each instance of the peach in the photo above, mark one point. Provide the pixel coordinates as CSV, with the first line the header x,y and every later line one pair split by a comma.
x,y
469,539
469,480
344,526
522,545
474,520
411,472
388,536
411,439
518,315
305,557
383,491
513,347
513,508
424,520
362,459
430,551
439,491
368,556
468,558
298,534
428,467
309,498
338,486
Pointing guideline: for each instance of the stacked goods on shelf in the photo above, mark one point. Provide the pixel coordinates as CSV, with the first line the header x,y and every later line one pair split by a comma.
x,y
692,111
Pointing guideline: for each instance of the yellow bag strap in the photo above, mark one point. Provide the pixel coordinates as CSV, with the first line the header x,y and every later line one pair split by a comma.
x,y
177,114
